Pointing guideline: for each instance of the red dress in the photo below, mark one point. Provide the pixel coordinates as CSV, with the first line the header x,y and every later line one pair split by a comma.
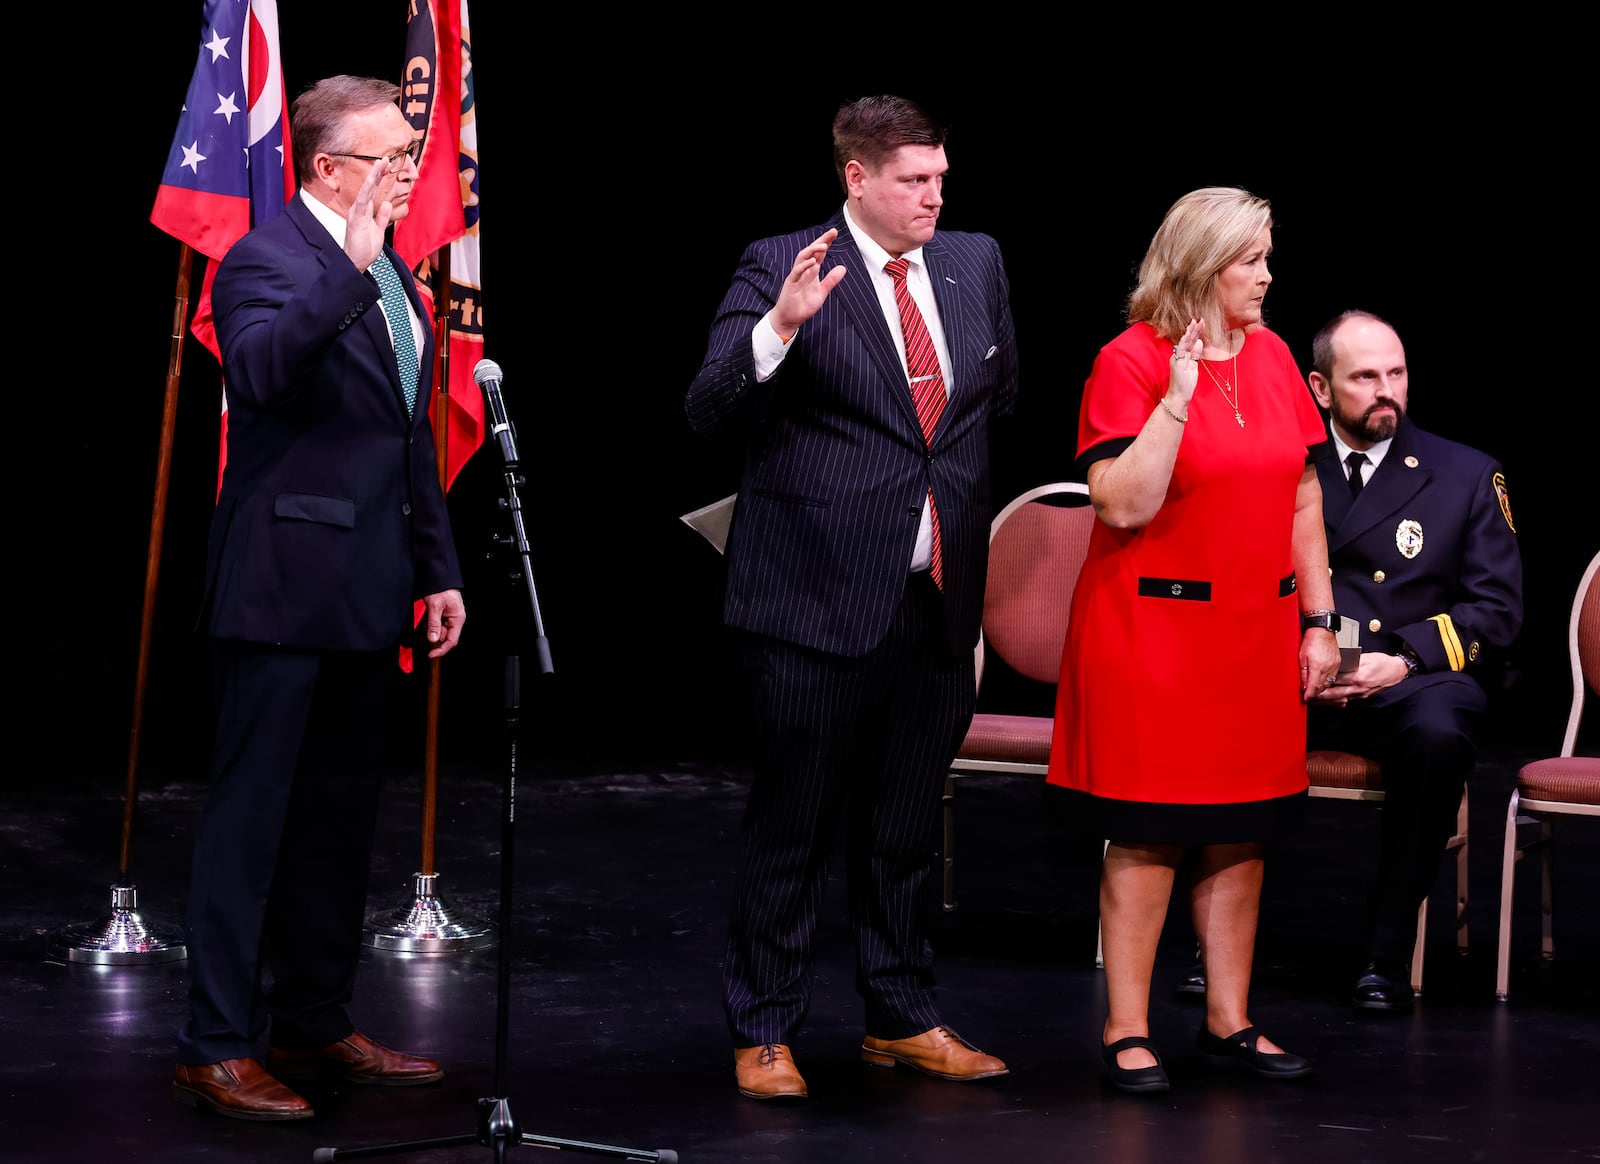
x,y
1178,712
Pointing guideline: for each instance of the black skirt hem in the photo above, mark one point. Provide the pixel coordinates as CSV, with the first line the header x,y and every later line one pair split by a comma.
x,y
1136,822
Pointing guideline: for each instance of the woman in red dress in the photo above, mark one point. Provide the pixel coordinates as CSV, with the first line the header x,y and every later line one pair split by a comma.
x,y
1199,624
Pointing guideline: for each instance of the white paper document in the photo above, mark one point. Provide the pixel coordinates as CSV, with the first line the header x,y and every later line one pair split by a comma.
x,y
713,521
1349,636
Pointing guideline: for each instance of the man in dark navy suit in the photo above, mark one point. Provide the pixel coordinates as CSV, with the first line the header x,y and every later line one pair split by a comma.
x,y
330,525
861,362
1425,559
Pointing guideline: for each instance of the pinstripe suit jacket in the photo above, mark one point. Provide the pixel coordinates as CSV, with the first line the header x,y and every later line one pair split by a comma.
x,y
836,467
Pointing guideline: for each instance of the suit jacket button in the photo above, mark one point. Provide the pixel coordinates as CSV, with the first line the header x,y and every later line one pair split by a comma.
x,y
1375,625
405,508
1378,576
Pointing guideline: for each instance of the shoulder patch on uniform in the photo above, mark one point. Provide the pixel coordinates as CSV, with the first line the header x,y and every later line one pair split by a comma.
x,y
1505,499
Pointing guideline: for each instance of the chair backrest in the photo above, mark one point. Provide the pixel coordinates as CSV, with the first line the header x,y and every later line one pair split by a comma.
x,y
1583,644
1037,545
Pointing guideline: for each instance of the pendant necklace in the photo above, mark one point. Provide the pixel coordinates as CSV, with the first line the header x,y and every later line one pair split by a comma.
x,y
1229,390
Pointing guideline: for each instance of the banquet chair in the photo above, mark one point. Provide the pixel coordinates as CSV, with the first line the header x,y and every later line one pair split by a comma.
x,y
1037,545
1347,776
1566,784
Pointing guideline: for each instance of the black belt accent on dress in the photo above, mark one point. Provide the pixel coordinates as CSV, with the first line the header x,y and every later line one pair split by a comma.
x,y
1286,587
1186,588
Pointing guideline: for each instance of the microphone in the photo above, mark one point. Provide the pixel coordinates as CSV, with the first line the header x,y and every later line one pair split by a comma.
x,y
488,375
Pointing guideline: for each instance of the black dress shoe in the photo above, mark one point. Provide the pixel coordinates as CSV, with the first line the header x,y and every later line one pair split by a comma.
x,y
1383,986
1240,1047
1134,1079
1193,981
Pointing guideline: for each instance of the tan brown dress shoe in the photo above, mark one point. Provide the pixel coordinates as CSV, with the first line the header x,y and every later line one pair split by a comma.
x,y
357,1059
768,1072
940,1052
239,1088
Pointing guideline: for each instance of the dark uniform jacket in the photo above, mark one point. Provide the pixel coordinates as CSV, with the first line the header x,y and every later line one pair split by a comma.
x,y
1427,556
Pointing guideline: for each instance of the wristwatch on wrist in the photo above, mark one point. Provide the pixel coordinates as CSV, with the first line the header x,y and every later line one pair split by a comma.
x,y
1409,657
1326,619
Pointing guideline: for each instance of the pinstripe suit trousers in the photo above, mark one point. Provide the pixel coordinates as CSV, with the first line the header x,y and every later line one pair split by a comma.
x,y
858,744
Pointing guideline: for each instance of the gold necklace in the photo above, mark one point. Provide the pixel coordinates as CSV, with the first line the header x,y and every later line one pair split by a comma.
x,y
1224,386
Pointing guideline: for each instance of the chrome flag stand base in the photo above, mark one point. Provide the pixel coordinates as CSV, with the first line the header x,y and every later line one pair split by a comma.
x,y
122,939
425,925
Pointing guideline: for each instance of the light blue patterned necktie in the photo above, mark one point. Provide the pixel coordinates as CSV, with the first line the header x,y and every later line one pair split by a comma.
x,y
399,316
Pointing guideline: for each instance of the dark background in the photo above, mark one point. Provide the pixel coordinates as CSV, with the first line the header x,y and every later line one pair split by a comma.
x,y
621,180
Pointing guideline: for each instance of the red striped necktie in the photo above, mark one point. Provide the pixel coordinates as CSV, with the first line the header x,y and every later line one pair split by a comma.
x,y
927,385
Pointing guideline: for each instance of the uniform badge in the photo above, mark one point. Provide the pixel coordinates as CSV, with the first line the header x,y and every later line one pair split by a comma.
x,y
1408,538
1505,499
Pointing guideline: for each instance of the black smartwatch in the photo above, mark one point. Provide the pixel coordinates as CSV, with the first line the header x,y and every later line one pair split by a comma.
x,y
1326,619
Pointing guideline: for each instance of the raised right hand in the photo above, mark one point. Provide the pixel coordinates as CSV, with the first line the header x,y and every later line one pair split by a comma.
x,y
369,216
1185,364
802,294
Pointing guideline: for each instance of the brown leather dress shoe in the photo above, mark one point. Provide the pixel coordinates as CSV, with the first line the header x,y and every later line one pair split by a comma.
x,y
240,1088
357,1059
768,1072
940,1052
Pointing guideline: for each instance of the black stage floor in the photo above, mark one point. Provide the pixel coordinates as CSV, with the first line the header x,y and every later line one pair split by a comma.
x,y
615,1032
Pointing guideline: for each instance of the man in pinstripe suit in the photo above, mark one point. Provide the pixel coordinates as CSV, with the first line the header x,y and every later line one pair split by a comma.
x,y
857,599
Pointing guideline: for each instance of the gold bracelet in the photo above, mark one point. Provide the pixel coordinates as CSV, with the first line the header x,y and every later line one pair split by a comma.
x,y
1174,415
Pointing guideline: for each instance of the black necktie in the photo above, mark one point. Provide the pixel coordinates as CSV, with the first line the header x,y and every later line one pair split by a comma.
x,y
1355,461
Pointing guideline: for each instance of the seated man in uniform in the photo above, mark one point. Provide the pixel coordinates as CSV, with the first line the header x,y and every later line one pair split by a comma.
x,y
1425,559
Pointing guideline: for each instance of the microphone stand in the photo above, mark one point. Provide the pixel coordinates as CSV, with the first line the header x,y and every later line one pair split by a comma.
x,y
498,1128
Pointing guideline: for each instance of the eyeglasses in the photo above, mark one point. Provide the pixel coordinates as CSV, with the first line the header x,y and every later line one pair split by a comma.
x,y
393,161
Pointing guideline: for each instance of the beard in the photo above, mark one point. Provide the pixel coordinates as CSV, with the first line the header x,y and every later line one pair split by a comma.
x,y
1369,427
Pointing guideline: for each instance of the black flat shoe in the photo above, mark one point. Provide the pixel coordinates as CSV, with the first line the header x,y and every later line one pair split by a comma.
x,y
1193,981
1135,1079
1381,988
1240,1047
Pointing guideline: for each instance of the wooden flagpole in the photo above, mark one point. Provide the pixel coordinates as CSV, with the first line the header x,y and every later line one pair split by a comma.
x,y
441,374
426,923
124,937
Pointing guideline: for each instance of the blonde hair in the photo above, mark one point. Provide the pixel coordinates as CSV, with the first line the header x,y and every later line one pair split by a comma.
x,y
1202,233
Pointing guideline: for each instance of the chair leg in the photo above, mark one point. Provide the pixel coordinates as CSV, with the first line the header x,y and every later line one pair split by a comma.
x,y
1417,950
1508,862
1099,937
1547,945
1461,875
1459,844
949,843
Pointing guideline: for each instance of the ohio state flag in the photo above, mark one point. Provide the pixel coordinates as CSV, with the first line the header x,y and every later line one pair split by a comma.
x,y
231,166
